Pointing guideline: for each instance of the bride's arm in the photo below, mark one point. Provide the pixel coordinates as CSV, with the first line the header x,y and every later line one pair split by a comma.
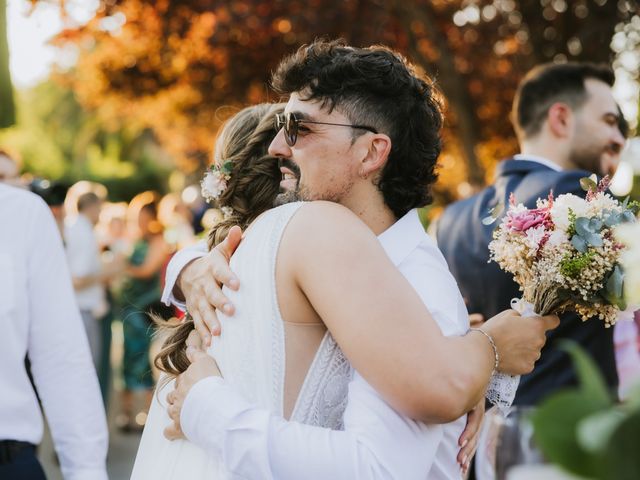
x,y
381,324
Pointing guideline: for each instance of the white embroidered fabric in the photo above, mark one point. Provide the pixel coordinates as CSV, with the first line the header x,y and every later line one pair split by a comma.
x,y
502,387
323,396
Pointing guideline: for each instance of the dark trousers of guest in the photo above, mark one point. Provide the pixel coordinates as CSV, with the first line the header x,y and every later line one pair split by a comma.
x,y
18,461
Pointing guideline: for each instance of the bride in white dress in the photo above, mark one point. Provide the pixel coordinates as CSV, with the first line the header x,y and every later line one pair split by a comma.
x,y
250,352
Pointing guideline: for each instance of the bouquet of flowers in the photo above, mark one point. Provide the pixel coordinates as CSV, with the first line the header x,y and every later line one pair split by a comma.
x,y
564,254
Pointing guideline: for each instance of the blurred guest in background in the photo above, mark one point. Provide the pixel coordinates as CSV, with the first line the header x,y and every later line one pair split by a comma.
x,y
177,220
54,194
626,335
568,126
114,245
141,293
87,272
39,317
9,169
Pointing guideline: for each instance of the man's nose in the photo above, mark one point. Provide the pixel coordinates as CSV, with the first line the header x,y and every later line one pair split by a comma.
x,y
278,146
618,140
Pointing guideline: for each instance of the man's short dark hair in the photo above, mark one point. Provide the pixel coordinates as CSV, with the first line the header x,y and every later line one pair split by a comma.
x,y
549,83
375,86
53,193
86,200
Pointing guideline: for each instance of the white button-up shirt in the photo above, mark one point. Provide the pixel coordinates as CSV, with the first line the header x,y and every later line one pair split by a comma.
x,y
84,260
377,442
541,160
39,317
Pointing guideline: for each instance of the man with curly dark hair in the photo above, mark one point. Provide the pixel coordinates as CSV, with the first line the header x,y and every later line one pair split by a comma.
x,y
361,128
371,90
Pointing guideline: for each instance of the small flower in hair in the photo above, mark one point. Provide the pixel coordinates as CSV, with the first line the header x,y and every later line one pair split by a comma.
x,y
215,181
227,212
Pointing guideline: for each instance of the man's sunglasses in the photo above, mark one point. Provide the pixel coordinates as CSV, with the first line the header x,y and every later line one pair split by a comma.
x,y
290,123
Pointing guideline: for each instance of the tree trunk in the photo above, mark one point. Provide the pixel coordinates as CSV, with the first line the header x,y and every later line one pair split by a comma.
x,y
7,105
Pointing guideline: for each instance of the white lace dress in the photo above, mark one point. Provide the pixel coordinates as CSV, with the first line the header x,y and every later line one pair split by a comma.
x,y
251,356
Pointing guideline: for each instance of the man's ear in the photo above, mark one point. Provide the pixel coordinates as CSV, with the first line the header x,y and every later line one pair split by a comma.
x,y
376,156
560,119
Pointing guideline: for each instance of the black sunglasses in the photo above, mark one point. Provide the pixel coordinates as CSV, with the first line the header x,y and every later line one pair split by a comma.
x,y
290,123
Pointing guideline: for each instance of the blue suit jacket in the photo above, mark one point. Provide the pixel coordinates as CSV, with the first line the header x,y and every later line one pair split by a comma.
x,y
464,240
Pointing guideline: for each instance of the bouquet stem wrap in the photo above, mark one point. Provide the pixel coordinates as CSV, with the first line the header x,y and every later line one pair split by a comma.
x,y
502,387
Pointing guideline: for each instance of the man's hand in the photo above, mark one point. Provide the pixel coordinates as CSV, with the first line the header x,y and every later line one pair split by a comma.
x,y
519,340
468,441
201,283
202,366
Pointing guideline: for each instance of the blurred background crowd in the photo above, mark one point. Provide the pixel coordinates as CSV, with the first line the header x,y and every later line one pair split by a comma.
x,y
109,109
117,253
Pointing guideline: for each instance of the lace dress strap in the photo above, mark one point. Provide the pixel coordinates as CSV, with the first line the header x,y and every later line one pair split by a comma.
x,y
323,396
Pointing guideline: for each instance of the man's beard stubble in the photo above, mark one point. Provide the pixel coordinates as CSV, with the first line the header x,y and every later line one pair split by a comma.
x,y
285,197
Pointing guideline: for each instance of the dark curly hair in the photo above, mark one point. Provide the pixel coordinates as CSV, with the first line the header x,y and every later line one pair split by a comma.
x,y
251,190
378,87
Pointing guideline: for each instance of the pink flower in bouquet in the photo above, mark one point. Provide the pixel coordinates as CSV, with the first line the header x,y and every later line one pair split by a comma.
x,y
524,220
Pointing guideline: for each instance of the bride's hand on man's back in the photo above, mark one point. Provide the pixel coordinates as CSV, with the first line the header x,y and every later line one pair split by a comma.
x,y
201,283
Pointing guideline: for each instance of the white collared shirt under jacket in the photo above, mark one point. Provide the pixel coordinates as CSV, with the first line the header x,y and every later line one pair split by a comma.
x,y
378,442
39,318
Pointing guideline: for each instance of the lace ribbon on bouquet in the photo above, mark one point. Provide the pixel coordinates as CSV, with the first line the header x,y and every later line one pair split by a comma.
x,y
502,387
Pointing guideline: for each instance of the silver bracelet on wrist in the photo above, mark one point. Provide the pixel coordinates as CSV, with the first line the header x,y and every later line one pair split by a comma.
x,y
493,345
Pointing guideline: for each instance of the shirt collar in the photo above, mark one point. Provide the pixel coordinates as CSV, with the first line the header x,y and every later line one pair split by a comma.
x,y
401,238
544,161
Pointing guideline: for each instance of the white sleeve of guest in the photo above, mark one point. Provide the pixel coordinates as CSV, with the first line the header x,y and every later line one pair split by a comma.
x,y
81,250
177,263
253,443
61,363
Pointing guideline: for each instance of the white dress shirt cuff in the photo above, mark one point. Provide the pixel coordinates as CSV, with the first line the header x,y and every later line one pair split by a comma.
x,y
87,474
222,422
177,263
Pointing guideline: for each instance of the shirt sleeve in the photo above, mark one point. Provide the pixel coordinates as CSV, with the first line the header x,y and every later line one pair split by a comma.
x,y
61,363
81,251
253,443
175,266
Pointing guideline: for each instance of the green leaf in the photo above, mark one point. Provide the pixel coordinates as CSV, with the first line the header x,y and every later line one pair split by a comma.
x,y
625,202
582,226
621,459
628,216
555,423
579,244
612,219
588,184
633,396
493,215
614,283
227,167
614,287
591,380
594,239
595,224
594,431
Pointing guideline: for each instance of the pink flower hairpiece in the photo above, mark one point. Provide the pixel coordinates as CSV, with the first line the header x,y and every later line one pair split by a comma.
x,y
215,181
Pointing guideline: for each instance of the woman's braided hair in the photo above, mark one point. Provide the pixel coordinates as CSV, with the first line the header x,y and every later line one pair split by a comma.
x,y
251,190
